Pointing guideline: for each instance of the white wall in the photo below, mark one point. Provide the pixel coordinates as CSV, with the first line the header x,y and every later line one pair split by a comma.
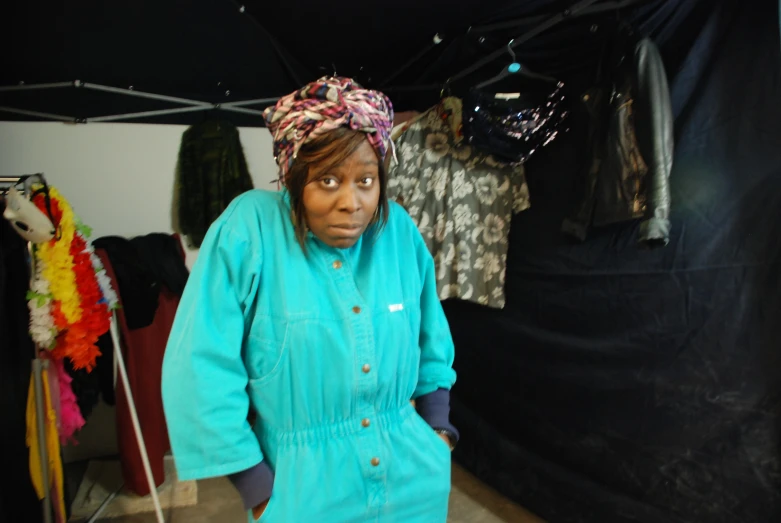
x,y
119,179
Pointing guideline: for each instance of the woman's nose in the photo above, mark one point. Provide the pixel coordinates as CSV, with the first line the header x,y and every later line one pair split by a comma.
x,y
349,200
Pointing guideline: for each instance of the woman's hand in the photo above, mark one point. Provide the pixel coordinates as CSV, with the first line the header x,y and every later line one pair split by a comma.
x,y
258,510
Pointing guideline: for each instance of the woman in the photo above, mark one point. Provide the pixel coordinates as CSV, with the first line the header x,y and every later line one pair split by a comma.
x,y
316,309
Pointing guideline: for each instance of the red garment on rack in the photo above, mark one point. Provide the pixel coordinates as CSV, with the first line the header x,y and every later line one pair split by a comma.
x,y
143,351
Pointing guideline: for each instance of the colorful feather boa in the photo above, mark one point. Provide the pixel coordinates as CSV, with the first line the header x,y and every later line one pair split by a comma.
x,y
79,310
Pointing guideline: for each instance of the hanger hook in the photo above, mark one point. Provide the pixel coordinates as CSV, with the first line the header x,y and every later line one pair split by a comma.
x,y
510,49
445,87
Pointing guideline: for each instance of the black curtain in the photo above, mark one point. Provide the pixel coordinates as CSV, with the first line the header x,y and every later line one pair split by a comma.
x,y
627,385
18,501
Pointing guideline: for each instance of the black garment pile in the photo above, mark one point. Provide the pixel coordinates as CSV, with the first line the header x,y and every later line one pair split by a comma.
x,y
18,501
141,266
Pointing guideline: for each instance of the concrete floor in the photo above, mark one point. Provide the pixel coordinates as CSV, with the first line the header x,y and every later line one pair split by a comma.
x,y
470,502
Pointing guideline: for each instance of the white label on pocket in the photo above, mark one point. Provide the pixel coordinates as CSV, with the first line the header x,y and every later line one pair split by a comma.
x,y
396,307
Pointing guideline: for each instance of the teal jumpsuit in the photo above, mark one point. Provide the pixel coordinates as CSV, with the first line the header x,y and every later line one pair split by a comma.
x,y
328,347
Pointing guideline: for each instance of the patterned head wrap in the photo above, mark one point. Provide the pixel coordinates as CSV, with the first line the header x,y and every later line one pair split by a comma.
x,y
325,105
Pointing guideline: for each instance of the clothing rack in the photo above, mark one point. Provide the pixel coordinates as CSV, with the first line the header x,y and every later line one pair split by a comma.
x,y
39,364
602,7
544,23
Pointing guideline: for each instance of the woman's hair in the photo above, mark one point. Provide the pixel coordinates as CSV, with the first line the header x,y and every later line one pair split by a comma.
x,y
322,154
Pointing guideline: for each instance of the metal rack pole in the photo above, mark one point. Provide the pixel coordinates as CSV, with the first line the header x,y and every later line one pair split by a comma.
x,y
40,412
37,366
134,418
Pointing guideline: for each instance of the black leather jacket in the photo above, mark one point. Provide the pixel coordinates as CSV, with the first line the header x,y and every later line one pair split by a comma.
x,y
631,147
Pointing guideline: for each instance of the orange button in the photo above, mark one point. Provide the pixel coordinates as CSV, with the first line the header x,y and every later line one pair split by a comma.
x,y
365,422
366,368
357,310
337,264
375,462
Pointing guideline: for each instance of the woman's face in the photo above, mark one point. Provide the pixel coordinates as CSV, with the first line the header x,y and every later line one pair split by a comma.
x,y
339,203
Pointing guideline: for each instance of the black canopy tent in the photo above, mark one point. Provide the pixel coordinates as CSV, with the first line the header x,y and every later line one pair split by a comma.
x,y
93,62
617,385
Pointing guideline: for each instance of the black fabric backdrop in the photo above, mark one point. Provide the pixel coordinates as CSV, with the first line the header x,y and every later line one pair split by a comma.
x,y
627,385
618,385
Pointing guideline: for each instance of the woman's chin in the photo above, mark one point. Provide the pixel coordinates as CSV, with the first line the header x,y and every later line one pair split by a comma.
x,y
341,242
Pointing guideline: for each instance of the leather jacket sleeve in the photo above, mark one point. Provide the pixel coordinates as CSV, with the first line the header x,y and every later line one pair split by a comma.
x,y
654,132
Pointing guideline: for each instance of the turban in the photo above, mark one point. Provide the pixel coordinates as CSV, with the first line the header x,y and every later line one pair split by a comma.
x,y
325,105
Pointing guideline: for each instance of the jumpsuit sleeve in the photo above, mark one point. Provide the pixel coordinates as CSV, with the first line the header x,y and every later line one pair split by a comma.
x,y
204,377
436,343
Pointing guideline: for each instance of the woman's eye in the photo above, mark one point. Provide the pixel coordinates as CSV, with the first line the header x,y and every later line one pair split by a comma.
x,y
368,181
328,182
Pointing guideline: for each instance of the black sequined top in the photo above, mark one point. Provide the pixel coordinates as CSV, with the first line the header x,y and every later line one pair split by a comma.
x,y
513,126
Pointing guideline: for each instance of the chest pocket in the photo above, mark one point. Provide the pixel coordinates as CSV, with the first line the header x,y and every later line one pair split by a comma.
x,y
265,347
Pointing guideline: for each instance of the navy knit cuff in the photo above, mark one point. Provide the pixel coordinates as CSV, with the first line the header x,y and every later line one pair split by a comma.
x,y
435,409
254,484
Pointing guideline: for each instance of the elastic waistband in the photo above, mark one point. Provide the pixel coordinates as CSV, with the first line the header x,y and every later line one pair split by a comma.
x,y
341,429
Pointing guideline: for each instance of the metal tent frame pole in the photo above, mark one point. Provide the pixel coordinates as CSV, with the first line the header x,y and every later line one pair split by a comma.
x,y
48,116
144,114
435,41
251,102
139,94
191,105
273,41
28,87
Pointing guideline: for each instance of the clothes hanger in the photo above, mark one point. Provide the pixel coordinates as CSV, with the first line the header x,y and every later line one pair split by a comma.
x,y
445,91
515,68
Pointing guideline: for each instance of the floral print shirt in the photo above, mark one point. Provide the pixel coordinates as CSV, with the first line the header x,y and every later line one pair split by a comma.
x,y
461,200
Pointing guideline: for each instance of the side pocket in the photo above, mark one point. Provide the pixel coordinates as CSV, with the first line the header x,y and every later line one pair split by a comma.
x,y
264,518
279,490
433,437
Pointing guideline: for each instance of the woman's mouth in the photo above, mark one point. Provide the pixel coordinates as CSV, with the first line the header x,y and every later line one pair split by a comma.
x,y
348,229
